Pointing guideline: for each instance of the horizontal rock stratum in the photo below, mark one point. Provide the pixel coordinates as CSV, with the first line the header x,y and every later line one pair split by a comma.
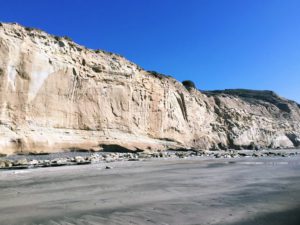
x,y
56,95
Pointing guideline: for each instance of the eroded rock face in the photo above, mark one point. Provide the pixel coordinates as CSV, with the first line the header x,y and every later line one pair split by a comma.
x,y
56,95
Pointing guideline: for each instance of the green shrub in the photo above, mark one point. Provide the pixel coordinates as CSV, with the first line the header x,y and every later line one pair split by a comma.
x,y
156,74
67,38
29,28
188,84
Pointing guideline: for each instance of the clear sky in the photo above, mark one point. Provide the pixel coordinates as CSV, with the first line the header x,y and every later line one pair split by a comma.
x,y
219,44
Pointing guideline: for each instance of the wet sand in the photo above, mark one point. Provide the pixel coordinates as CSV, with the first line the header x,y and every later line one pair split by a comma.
x,y
187,191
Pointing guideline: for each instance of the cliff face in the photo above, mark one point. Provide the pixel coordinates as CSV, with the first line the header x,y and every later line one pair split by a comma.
x,y
56,95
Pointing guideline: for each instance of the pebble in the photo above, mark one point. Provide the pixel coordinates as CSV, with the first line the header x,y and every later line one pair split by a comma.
x,y
21,162
79,159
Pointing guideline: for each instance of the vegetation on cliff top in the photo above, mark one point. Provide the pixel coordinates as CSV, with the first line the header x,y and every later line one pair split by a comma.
x,y
255,96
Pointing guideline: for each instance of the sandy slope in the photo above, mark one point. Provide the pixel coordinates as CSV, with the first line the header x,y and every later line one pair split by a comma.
x,y
202,191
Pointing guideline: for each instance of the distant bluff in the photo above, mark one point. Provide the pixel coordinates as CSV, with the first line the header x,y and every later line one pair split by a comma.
x,y
56,95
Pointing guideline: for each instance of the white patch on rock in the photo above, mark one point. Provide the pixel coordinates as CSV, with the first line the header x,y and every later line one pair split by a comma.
x,y
11,76
37,81
282,141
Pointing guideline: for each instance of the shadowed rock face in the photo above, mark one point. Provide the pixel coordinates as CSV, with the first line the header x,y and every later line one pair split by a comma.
x,y
56,95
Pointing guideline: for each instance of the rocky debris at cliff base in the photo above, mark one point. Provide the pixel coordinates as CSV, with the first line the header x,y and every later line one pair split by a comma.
x,y
70,158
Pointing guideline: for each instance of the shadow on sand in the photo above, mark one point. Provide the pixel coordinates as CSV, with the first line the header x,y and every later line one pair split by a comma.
x,y
287,217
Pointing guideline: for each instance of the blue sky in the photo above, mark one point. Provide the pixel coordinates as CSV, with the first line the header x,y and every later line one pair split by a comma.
x,y
218,44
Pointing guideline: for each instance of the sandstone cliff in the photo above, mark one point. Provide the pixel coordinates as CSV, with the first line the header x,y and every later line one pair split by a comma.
x,y
56,95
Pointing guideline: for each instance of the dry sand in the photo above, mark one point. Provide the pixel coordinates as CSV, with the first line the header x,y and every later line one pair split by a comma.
x,y
189,191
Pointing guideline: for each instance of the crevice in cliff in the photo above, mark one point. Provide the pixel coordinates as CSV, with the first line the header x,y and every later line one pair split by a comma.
x,y
182,106
76,84
114,111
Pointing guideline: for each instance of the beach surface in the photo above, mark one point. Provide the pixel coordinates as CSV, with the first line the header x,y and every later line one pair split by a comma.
x,y
162,191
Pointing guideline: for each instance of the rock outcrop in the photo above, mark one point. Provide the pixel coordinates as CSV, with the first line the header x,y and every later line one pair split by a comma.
x,y
56,95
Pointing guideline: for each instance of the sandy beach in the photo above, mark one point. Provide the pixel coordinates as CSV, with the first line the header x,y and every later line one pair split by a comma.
x,y
167,191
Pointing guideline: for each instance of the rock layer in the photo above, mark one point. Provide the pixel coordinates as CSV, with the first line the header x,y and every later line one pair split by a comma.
x,y
56,95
